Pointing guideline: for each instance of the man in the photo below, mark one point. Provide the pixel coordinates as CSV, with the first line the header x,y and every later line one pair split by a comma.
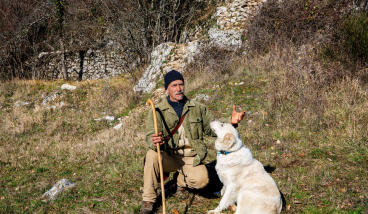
x,y
184,150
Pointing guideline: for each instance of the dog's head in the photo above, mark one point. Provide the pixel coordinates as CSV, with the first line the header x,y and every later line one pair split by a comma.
x,y
228,138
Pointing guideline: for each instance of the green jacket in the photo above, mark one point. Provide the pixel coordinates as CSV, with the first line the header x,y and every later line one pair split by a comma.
x,y
196,124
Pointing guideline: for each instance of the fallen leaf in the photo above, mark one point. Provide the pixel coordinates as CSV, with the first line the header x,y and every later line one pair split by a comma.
x,y
302,155
263,147
93,205
272,147
288,207
175,211
284,155
343,190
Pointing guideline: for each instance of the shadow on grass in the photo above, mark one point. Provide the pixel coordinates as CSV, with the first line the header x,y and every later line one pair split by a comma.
x,y
214,185
270,169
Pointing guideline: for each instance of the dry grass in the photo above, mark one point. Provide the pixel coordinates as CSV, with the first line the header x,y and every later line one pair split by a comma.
x,y
301,120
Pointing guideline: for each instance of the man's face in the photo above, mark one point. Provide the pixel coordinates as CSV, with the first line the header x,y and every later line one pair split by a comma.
x,y
176,90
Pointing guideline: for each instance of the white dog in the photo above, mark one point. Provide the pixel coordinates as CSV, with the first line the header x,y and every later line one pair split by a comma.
x,y
245,181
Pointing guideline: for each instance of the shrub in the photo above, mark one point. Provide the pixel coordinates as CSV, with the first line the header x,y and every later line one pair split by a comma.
x,y
294,22
354,31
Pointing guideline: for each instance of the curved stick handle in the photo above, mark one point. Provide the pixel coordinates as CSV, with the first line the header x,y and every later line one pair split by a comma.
x,y
149,101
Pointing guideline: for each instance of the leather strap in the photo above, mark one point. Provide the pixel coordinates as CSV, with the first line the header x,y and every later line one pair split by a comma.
x,y
176,127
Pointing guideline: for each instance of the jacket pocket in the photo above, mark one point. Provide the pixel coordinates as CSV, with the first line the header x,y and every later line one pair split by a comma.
x,y
196,127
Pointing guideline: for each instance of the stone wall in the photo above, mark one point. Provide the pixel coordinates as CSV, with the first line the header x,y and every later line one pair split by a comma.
x,y
236,15
88,65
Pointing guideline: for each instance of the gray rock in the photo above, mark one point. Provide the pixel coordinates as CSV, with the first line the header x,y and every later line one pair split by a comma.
x,y
51,97
68,87
60,186
20,103
106,118
202,97
117,127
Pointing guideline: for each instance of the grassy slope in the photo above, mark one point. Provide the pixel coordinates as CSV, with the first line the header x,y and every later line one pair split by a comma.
x,y
315,142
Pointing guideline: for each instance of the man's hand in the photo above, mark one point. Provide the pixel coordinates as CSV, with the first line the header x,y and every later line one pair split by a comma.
x,y
157,139
236,117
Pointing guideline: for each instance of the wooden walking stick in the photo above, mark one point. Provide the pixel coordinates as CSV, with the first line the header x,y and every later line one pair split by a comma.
x,y
149,101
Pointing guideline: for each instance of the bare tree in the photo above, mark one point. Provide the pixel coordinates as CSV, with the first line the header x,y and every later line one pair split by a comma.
x,y
59,13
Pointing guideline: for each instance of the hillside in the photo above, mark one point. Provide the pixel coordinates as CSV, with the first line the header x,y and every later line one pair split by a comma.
x,y
305,96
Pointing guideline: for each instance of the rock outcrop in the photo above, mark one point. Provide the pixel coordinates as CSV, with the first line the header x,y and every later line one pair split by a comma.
x,y
166,57
231,21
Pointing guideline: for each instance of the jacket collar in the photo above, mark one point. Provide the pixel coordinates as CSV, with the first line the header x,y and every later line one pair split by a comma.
x,y
165,105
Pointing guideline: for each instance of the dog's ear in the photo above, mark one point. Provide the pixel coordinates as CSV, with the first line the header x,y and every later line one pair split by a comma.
x,y
228,140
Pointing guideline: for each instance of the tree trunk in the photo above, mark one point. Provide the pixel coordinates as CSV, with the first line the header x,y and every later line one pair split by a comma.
x,y
62,55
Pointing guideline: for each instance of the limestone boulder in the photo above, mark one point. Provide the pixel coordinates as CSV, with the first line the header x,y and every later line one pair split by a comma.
x,y
60,186
68,87
164,58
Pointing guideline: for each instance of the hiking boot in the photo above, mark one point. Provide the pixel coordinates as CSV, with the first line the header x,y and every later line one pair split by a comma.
x,y
147,207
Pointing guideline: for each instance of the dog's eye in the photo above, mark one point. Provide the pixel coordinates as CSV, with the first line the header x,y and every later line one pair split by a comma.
x,y
222,124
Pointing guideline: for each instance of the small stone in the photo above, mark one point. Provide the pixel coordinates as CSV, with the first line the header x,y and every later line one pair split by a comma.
x,y
202,97
118,126
20,103
108,118
68,87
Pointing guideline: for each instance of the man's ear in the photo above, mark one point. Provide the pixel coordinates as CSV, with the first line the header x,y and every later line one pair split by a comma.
x,y
228,140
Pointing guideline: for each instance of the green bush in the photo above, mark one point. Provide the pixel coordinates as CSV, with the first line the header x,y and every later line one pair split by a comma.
x,y
355,33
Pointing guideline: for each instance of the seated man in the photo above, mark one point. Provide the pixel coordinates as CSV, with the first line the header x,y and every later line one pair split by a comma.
x,y
184,150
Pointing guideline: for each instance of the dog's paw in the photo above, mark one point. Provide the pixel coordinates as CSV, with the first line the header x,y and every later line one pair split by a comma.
x,y
232,208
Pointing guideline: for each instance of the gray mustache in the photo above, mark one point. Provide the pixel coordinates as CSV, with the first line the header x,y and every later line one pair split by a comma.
x,y
180,92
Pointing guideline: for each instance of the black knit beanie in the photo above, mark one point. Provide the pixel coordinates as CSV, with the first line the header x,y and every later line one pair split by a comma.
x,y
172,76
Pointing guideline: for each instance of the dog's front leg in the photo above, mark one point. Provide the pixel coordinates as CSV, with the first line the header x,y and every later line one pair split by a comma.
x,y
229,198
223,190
